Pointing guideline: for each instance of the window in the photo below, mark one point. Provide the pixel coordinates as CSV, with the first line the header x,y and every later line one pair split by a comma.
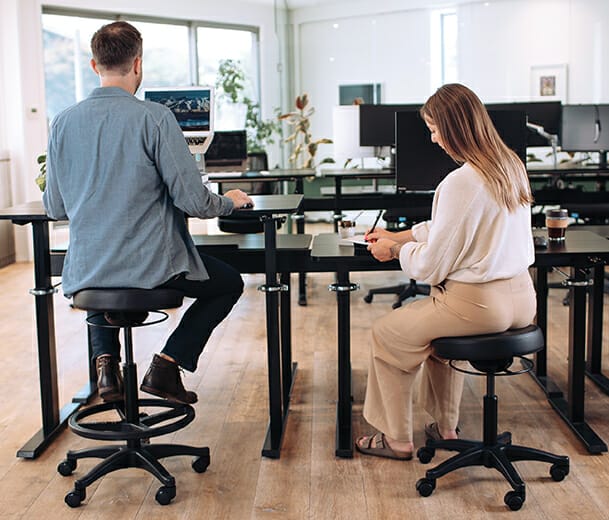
x,y
166,56
169,58
239,45
449,46
444,47
68,77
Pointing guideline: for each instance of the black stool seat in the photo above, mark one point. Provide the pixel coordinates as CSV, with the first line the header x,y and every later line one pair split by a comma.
x,y
127,300
137,424
489,347
491,355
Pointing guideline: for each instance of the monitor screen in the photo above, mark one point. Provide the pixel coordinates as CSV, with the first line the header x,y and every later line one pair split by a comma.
x,y
191,106
546,114
421,165
585,128
377,123
227,148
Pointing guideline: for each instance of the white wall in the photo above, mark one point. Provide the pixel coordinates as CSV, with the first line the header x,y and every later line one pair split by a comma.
x,y
388,41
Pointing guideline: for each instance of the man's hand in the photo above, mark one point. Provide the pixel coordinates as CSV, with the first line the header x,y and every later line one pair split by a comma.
x,y
239,198
381,249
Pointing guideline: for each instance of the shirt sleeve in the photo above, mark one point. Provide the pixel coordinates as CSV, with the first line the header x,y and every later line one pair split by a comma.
x,y
181,176
449,234
51,198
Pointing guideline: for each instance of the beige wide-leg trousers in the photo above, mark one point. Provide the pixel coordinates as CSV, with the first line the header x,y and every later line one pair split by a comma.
x,y
400,345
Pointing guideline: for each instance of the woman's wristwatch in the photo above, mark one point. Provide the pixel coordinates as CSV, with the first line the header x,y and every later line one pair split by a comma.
x,y
395,251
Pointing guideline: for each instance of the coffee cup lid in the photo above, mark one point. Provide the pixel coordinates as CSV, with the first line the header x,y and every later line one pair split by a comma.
x,y
557,213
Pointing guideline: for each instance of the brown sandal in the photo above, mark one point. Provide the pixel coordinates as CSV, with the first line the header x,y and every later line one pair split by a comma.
x,y
432,432
381,448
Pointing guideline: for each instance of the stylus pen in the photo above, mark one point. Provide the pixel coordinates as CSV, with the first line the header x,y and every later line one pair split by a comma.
x,y
376,221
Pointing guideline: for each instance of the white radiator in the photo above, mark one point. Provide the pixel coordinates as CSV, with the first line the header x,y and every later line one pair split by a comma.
x,y
7,241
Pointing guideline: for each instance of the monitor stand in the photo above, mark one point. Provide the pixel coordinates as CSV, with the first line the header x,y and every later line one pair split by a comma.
x,y
602,160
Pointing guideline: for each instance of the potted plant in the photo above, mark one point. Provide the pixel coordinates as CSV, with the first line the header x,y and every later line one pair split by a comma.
x,y
304,146
230,84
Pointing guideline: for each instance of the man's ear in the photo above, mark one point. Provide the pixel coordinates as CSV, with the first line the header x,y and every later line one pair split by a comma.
x,y
137,65
94,66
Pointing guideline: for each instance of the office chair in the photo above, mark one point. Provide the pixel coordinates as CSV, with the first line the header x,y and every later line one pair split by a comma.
x,y
491,355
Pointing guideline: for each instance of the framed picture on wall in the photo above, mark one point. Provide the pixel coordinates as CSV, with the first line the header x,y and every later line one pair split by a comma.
x,y
364,93
549,83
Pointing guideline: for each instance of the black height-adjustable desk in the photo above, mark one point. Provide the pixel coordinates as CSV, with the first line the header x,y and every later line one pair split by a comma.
x,y
53,418
582,250
267,207
275,175
270,208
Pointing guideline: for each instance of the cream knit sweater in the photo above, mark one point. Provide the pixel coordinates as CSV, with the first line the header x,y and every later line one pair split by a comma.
x,y
469,238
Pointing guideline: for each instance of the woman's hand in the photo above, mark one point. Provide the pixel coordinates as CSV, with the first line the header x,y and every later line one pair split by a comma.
x,y
381,249
377,234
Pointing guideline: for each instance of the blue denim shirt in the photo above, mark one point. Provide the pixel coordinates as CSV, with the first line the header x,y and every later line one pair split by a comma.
x,y
120,171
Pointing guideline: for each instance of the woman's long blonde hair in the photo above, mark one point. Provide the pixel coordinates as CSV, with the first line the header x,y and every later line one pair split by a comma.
x,y
468,135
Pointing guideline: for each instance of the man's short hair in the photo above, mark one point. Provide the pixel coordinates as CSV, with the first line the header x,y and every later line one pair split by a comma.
x,y
116,45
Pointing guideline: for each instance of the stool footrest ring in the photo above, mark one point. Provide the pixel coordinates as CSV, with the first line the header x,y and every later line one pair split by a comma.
x,y
527,366
122,430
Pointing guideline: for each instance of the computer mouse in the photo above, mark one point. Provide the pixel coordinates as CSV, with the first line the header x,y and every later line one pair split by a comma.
x,y
247,205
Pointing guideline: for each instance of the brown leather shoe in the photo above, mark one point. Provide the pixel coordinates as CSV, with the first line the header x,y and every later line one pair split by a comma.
x,y
163,379
109,378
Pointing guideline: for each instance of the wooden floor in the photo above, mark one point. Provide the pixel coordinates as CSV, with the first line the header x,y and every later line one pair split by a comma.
x,y
307,482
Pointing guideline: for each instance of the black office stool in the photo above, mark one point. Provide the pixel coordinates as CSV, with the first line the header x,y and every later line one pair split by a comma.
x,y
126,309
491,355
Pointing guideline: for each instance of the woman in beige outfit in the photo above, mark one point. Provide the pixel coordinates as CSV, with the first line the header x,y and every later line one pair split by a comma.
x,y
475,252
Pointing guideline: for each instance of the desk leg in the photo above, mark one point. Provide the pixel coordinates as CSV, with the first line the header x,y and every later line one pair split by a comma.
x,y
288,369
572,409
344,430
595,331
272,443
53,419
338,182
540,374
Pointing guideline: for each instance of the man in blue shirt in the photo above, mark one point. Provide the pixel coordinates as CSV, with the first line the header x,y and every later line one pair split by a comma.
x,y
120,171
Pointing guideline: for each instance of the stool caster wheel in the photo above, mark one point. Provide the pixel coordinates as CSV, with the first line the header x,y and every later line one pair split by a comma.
x,y
75,497
425,454
368,298
514,500
425,486
165,494
199,464
559,471
66,467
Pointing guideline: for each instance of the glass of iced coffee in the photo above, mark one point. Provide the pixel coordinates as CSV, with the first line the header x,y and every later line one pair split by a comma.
x,y
557,221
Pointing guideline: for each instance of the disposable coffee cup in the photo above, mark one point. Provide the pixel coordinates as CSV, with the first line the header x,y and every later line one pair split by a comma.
x,y
557,221
346,228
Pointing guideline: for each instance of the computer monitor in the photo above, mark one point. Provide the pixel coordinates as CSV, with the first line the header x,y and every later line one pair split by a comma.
x,y
377,123
421,165
193,108
228,149
585,128
544,114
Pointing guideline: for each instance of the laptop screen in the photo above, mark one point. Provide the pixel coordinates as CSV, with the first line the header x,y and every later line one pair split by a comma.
x,y
191,106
